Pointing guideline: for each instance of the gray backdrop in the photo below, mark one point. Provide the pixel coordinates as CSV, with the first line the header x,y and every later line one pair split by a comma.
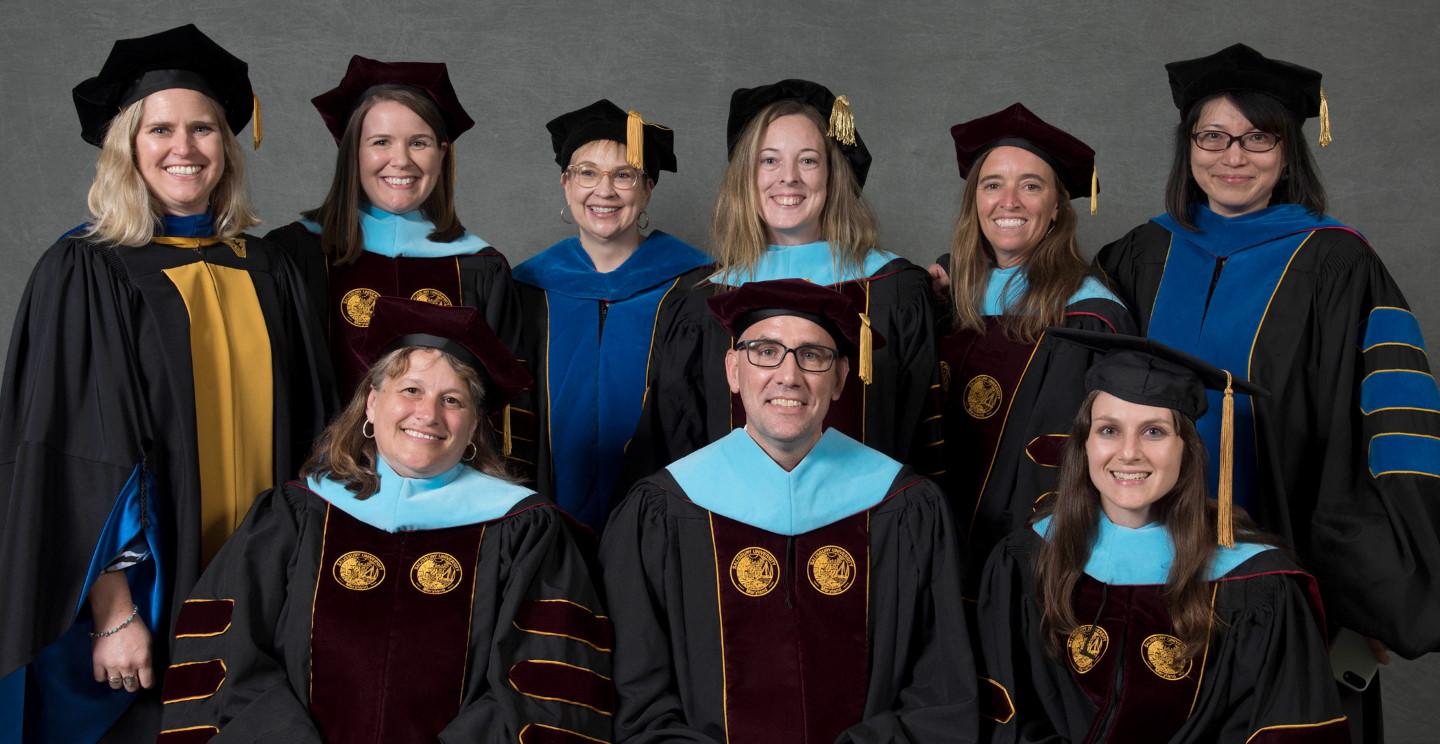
x,y
911,70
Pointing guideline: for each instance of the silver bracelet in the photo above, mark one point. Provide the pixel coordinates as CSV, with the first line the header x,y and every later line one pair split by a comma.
x,y
134,611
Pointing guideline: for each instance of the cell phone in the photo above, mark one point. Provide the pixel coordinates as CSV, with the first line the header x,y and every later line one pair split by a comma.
x,y
1352,660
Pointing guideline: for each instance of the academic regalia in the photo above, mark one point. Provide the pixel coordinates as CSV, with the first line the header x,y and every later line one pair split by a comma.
x,y
455,607
688,403
149,393
1008,408
719,638
1264,675
1340,459
590,335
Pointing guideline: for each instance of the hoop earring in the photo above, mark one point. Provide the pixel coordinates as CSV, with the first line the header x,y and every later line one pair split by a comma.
x,y
470,452
370,434
565,214
644,221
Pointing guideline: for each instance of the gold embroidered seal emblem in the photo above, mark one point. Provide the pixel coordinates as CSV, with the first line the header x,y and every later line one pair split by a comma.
x,y
358,305
754,571
435,573
832,570
1087,644
982,396
432,296
358,570
1162,654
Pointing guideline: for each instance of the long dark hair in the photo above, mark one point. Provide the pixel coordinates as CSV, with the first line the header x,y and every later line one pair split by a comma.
x,y
1054,268
1299,181
1188,514
345,454
340,235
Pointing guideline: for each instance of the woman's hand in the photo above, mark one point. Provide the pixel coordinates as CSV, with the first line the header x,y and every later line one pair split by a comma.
x,y
122,659
939,280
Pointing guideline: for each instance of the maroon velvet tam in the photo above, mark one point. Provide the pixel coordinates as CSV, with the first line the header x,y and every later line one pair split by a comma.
x,y
1072,160
746,103
753,302
430,78
1238,67
455,329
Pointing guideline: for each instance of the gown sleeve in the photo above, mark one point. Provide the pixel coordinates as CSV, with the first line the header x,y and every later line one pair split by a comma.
x,y
489,286
547,641
634,550
673,416
916,395
228,678
1375,540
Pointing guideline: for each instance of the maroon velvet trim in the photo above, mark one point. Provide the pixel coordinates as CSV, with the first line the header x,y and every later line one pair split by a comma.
x,y
561,617
995,702
1047,450
390,277
388,663
1097,316
565,683
203,617
192,681
796,660
539,733
1335,731
190,735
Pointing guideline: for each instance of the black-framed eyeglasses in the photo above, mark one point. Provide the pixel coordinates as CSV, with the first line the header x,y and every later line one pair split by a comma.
x,y
771,354
588,175
1214,140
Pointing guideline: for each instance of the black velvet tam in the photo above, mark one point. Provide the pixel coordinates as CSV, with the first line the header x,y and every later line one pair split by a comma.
x,y
455,329
753,302
1146,372
1238,67
430,78
181,57
603,120
746,103
1016,126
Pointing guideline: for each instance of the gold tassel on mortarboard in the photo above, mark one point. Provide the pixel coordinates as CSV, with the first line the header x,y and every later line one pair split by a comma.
x,y
867,350
842,122
1094,190
1325,137
257,126
635,140
1225,527
509,444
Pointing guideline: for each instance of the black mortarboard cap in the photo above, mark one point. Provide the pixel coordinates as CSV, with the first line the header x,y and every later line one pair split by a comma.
x,y
648,145
181,57
430,78
746,103
1238,67
752,302
1016,126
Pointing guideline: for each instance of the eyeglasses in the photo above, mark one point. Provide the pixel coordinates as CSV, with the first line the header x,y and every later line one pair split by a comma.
x,y
1214,140
771,354
587,176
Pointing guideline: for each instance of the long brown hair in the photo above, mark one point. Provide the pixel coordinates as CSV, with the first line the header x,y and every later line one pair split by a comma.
x,y
345,454
340,237
1053,269
1188,514
739,236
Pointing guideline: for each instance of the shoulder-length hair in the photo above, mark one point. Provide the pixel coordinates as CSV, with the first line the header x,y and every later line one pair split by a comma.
x,y
1299,179
340,235
739,235
122,209
345,454
1053,269
1187,512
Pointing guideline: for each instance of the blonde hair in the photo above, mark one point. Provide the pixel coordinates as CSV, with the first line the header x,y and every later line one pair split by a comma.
x,y
1054,269
122,209
739,236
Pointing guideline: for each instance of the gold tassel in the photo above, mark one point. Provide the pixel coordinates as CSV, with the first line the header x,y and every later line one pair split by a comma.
x,y
257,125
1094,190
1226,525
635,140
1325,137
842,122
867,351
505,433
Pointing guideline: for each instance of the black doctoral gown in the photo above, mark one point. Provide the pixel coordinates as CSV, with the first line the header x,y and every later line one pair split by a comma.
x,y
98,415
312,626
1262,678
711,646
1346,448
